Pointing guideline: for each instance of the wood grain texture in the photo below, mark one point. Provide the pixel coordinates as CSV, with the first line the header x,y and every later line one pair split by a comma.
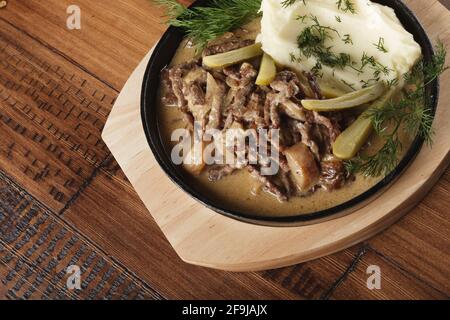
x,y
395,283
36,248
114,36
51,118
104,212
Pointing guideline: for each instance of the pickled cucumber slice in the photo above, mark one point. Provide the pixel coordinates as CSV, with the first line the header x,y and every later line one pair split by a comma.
x,y
349,142
226,59
330,91
267,71
347,101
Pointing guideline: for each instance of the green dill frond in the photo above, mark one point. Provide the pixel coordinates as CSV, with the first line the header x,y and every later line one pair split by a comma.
x,y
382,163
380,45
311,42
412,113
288,3
350,85
347,39
346,6
392,83
203,24
434,69
377,67
173,8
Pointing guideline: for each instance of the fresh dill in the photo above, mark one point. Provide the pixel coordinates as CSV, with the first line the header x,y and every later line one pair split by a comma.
x,y
203,24
368,83
287,3
302,19
380,164
380,45
346,6
347,39
294,58
174,9
392,83
350,85
430,71
338,19
311,42
375,65
412,113
317,70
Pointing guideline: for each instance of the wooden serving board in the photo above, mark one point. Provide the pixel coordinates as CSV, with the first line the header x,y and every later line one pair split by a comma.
x,y
202,237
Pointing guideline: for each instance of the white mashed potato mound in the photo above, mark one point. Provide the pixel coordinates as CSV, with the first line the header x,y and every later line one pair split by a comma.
x,y
366,27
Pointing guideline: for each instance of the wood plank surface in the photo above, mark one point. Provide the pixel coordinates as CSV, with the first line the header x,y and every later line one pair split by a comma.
x,y
63,199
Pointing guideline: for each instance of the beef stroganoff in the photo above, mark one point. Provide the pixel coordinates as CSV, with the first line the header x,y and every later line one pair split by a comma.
x,y
299,89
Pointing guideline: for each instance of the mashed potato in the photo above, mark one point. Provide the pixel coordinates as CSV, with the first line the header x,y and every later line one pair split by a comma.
x,y
370,33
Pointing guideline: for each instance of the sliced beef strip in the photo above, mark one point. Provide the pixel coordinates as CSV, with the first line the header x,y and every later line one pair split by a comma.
x,y
220,172
268,185
254,109
332,127
273,102
215,94
287,183
241,82
193,84
168,98
285,87
176,87
175,75
230,45
305,130
294,110
197,102
286,90
176,79
312,80
333,174
229,119
240,101
292,130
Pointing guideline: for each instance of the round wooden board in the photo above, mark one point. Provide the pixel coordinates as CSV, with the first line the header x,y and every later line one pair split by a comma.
x,y
203,237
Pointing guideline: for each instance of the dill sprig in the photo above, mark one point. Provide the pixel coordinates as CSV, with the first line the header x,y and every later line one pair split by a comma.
x,y
287,3
347,39
173,8
380,45
311,42
380,164
412,113
377,67
203,24
346,6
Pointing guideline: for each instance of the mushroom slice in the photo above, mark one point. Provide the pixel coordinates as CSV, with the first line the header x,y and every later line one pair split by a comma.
x,y
215,94
303,166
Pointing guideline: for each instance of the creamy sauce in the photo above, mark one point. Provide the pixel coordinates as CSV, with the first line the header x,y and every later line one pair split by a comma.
x,y
354,34
240,191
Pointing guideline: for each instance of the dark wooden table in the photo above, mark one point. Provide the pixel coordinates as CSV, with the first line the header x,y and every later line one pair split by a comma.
x,y
64,200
